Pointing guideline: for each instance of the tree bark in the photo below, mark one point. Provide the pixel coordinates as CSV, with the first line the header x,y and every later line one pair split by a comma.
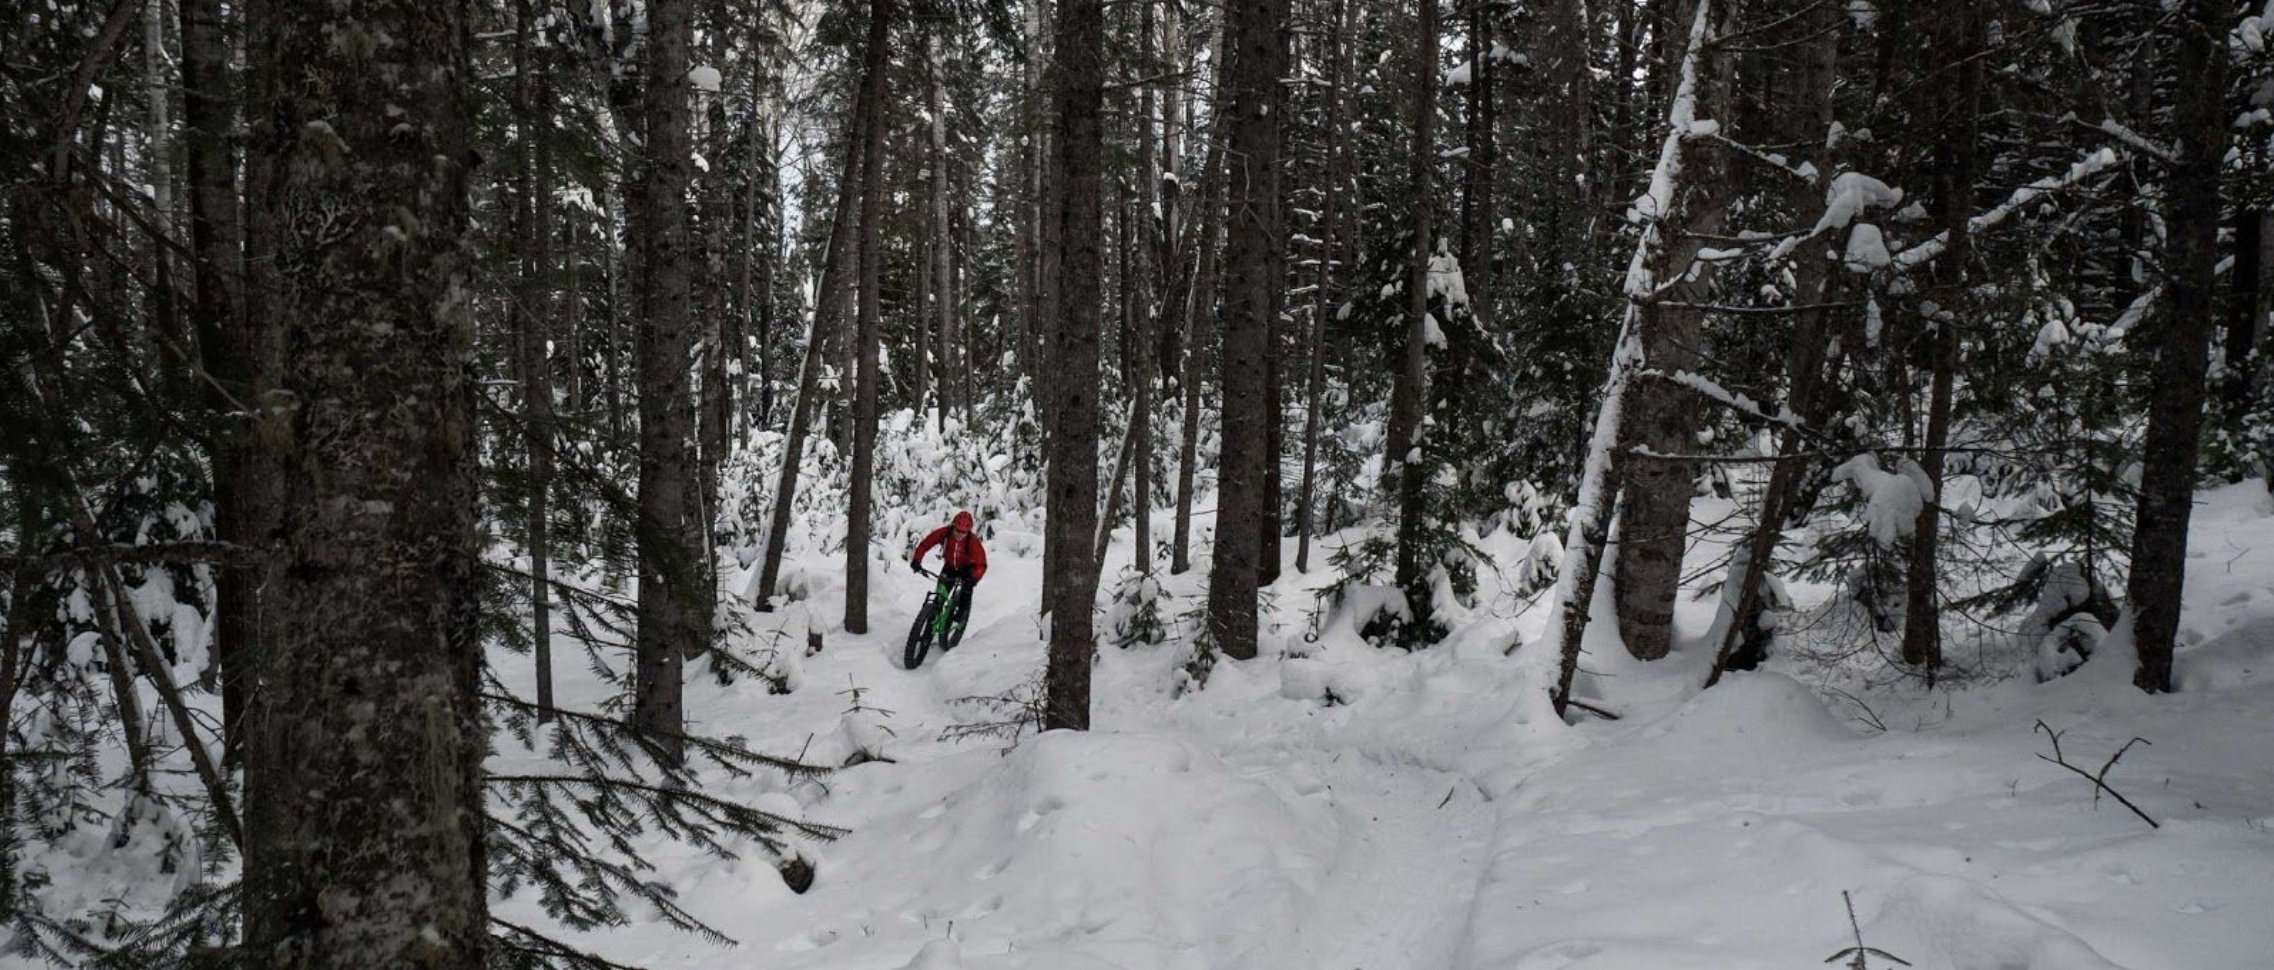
x,y
865,337
675,601
943,248
1073,472
2176,382
1146,245
368,720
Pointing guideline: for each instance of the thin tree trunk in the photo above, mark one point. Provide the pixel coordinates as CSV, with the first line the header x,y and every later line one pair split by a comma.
x,y
1147,245
1197,304
1073,487
1322,309
1738,643
675,600
865,338
369,720
1954,174
1480,166
1409,385
227,349
943,249
835,266
533,306
1122,456
158,147
2176,382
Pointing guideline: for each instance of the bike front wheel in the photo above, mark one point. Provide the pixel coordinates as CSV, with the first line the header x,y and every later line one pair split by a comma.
x,y
920,636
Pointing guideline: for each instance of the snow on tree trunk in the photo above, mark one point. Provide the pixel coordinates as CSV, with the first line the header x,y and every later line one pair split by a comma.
x,y
1598,484
1661,414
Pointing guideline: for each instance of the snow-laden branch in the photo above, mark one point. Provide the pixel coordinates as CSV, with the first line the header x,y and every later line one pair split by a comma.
x,y
2094,162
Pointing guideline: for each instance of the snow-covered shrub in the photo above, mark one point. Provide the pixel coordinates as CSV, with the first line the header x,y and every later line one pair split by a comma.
x,y
1139,614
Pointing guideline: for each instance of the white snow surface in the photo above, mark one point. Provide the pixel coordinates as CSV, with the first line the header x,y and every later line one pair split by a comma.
x,y
1433,817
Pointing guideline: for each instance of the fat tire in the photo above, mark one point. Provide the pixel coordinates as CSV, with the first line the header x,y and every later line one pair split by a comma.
x,y
920,637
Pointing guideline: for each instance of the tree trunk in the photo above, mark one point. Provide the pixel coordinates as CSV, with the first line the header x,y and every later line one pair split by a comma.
x,y
2176,382
675,600
1409,386
1739,643
158,148
865,337
1661,416
1573,602
533,307
1480,167
943,248
1197,304
1258,57
1322,309
227,350
368,721
835,266
1954,174
1073,484
1147,245
1270,523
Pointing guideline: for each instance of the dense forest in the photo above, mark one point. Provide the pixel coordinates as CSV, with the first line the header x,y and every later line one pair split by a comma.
x,y
431,429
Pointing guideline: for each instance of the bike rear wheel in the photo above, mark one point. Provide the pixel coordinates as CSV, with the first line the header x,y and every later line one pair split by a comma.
x,y
920,636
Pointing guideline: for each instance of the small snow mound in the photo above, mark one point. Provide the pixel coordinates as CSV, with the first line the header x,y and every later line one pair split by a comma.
x,y
1753,711
1948,923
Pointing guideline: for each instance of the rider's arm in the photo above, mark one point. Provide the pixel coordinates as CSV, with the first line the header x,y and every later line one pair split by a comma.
x,y
926,545
978,558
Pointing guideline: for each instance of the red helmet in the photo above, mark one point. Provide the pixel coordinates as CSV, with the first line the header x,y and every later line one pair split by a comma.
x,y
963,521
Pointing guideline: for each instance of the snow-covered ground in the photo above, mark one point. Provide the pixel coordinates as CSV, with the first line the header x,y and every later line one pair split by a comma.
x,y
1428,819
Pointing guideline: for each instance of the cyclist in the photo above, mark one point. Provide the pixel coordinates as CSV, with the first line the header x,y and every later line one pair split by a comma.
x,y
962,562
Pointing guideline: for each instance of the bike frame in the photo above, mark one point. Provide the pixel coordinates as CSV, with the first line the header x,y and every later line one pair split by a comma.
x,y
943,591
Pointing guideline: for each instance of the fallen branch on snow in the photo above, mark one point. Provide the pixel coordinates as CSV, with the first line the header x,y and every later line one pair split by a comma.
x,y
2100,780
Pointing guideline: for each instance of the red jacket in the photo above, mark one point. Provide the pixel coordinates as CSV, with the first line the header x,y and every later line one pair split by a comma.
x,y
953,554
